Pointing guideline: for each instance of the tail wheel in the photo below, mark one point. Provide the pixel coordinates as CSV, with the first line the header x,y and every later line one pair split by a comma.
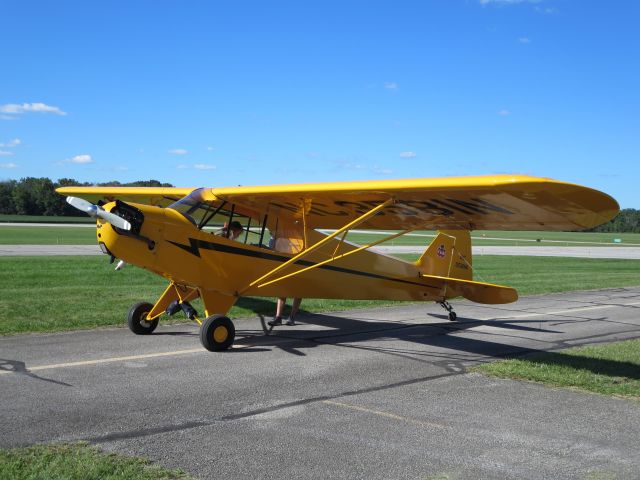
x,y
217,333
137,319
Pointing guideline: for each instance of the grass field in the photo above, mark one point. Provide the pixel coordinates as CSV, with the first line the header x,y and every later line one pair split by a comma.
x,y
77,462
504,238
21,235
47,235
611,369
39,294
45,219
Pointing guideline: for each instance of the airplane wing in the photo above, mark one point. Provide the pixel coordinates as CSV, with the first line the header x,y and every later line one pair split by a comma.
x,y
498,202
159,196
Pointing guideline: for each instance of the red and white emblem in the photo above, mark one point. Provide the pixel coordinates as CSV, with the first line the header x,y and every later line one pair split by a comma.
x,y
441,251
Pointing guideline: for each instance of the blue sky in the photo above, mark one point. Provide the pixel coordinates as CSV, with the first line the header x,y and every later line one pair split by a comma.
x,y
220,93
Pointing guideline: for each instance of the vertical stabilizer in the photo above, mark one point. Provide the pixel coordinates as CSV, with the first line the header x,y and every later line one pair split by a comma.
x,y
449,255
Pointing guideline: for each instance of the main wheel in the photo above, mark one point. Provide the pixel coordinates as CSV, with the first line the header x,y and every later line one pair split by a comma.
x,y
217,333
137,321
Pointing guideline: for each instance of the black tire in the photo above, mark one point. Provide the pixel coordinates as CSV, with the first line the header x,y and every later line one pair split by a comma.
x,y
136,319
452,316
217,333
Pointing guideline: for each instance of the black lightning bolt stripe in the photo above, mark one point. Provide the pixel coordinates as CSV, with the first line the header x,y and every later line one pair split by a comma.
x,y
195,245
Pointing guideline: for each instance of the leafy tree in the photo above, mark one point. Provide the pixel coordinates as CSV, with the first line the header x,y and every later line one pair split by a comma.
x,y
7,206
628,220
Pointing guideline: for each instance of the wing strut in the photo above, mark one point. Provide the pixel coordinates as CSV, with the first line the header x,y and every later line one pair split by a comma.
x,y
334,258
315,246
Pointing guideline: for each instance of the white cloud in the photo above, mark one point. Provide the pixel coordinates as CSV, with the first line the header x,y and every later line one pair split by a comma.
x,y
11,143
504,112
391,86
178,151
81,159
381,170
197,166
204,166
346,165
408,155
4,153
546,10
524,40
210,149
506,2
8,165
19,109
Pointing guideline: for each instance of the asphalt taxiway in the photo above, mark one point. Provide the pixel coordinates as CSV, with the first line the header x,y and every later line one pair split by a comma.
x,y
376,393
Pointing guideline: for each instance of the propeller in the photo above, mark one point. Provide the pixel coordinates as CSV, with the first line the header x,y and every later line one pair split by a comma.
x,y
96,211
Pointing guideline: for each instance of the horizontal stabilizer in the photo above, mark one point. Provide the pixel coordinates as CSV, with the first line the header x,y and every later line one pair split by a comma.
x,y
478,292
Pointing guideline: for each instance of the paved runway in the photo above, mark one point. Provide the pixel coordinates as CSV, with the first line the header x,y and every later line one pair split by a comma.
x,y
583,252
379,393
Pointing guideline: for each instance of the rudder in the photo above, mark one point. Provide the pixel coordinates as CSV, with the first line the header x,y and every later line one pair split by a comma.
x,y
448,255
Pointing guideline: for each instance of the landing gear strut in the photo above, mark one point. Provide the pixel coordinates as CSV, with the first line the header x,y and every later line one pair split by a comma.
x,y
447,306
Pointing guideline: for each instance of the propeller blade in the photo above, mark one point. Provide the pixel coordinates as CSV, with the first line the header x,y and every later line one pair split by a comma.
x,y
95,211
82,205
113,219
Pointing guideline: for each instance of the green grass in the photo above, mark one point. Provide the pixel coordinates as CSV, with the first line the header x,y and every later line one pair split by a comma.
x,y
536,275
45,219
47,235
40,294
44,294
505,238
611,369
77,461
21,235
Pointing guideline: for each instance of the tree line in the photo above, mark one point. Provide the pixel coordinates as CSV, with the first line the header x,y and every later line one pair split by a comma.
x,y
37,196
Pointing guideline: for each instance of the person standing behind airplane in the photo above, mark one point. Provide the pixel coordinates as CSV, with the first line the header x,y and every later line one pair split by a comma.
x,y
286,244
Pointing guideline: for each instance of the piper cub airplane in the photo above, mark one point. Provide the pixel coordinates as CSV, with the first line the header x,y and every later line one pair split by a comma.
x,y
183,235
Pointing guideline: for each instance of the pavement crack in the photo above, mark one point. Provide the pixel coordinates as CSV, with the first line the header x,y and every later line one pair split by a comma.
x,y
147,432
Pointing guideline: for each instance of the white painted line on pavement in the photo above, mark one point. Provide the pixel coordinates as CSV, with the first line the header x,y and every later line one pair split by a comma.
x,y
570,310
113,359
380,413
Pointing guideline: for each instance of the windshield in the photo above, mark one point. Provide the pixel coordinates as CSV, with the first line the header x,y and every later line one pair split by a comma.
x,y
215,217
195,209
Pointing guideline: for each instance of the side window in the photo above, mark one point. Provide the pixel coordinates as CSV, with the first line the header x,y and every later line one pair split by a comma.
x,y
227,220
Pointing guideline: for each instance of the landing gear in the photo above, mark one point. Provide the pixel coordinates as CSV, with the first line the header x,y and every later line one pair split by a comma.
x,y
447,306
137,319
217,333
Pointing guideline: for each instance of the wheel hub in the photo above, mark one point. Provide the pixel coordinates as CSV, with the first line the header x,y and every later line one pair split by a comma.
x,y
220,334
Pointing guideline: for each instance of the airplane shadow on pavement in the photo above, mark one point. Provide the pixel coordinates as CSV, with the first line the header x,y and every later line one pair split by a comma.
x,y
448,348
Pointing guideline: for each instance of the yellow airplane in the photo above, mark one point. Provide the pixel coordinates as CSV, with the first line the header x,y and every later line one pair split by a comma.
x,y
223,243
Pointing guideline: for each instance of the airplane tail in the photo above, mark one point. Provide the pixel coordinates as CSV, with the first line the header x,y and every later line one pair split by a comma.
x,y
448,255
447,263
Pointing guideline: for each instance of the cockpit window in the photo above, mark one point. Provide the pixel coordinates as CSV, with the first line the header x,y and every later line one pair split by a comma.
x,y
194,208
215,217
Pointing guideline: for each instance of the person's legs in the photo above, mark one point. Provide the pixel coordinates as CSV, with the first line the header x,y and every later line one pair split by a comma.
x,y
295,307
294,310
279,309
